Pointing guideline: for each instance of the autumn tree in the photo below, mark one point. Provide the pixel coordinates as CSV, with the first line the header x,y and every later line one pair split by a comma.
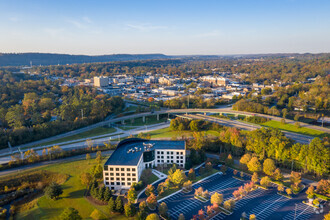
x,y
269,167
131,195
255,178
216,198
149,189
163,209
152,201
254,165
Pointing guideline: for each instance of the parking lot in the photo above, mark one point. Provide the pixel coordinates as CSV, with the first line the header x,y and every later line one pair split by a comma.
x,y
265,204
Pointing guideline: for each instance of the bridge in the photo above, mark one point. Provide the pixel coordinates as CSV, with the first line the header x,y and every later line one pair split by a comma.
x,y
167,112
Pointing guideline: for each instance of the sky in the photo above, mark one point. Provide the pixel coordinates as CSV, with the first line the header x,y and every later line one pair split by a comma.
x,y
172,27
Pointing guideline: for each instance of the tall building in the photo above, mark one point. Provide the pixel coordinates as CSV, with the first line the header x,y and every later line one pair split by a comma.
x,y
101,81
133,155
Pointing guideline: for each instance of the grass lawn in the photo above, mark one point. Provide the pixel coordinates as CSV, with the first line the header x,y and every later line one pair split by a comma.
x,y
87,134
293,128
73,195
168,133
150,120
213,171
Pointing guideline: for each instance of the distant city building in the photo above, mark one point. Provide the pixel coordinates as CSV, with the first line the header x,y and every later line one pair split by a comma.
x,y
101,81
124,167
219,81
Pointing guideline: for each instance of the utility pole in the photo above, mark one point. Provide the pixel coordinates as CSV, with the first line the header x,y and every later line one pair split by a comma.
x,y
82,113
292,165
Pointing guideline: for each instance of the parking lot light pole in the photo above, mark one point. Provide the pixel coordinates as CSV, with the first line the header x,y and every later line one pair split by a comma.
x,y
295,209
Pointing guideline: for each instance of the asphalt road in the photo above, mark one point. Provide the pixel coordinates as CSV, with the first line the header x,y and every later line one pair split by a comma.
x,y
304,139
74,158
227,110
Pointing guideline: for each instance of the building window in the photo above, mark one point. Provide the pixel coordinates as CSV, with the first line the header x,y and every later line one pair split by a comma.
x,y
117,169
133,174
118,183
168,161
181,153
158,152
111,178
107,178
133,169
117,174
162,157
171,157
122,179
128,179
106,183
171,161
168,152
158,157
177,152
162,152
122,174
129,183
111,169
122,169
112,183
171,152
182,161
128,169
158,161
134,179
178,157
162,161
111,174
128,174
123,183
107,174
181,157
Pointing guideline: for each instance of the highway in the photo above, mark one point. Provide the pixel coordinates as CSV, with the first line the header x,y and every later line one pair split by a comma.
x,y
303,139
298,137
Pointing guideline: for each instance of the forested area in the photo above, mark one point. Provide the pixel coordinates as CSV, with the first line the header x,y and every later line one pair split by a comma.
x,y
263,143
31,109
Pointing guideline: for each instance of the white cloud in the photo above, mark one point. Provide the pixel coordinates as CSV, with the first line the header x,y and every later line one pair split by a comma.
x,y
145,27
87,19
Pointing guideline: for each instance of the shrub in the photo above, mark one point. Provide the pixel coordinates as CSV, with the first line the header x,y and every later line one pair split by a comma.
x,y
70,214
53,191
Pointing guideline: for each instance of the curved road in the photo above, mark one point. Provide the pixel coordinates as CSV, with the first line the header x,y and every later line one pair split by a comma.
x,y
225,110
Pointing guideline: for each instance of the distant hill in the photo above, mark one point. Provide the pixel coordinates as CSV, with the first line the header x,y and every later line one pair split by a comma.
x,y
24,59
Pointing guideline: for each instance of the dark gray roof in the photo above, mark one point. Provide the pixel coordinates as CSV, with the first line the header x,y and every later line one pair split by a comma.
x,y
121,157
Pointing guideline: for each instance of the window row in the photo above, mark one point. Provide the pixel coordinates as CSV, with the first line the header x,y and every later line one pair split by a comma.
x,y
117,183
119,174
120,179
123,169
170,152
168,157
169,161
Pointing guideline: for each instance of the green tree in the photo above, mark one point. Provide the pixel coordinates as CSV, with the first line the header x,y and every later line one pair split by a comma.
x,y
97,171
129,209
131,195
15,116
112,205
119,205
254,165
269,167
194,125
53,191
70,214
107,194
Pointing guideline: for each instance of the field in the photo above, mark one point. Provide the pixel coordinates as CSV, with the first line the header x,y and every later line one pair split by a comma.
x,y
293,128
168,133
150,120
73,195
87,134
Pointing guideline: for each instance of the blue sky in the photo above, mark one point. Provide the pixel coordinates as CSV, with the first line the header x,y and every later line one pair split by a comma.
x,y
169,27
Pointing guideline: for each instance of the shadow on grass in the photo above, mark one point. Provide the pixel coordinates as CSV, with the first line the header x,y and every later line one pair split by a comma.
x,y
76,194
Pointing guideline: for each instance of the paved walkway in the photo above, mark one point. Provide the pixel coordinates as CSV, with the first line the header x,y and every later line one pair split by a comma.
x,y
160,175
